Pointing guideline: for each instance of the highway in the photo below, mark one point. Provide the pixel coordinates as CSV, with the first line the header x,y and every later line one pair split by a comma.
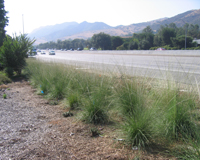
x,y
182,66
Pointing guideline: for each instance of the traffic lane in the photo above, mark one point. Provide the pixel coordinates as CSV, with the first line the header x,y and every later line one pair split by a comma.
x,y
187,64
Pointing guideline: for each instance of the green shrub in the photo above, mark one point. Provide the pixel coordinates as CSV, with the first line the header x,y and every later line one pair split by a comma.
x,y
13,53
4,79
4,96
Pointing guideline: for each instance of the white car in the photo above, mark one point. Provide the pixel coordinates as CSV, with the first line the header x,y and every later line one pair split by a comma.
x,y
93,49
43,52
52,53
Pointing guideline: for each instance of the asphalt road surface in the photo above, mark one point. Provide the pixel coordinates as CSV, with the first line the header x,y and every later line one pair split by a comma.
x,y
179,67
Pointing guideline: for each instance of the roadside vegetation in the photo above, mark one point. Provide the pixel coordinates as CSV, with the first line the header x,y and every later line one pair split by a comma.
x,y
163,117
149,114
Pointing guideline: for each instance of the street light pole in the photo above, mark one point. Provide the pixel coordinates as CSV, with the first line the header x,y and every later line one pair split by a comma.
x,y
185,37
185,34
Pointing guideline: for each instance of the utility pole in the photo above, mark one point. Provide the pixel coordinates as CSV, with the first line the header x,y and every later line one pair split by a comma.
x,y
23,22
185,34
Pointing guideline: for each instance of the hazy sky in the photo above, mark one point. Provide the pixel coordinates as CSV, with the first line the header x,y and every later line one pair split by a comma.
x,y
37,13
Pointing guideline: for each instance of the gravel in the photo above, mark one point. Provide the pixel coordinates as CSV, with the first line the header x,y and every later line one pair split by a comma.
x,y
31,128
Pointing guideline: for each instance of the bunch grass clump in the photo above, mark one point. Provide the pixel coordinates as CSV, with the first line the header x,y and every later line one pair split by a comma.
x,y
96,107
131,101
175,120
74,100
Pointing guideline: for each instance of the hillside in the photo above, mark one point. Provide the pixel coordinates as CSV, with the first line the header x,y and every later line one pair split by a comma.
x,y
59,31
191,17
86,30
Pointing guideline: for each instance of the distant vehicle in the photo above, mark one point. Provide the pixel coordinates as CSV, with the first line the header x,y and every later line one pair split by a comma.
x,y
32,52
160,49
43,52
93,49
38,50
71,49
79,49
52,53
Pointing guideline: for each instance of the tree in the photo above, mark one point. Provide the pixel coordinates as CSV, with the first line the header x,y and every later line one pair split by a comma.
x,y
157,40
143,40
3,21
13,53
179,42
173,25
193,30
147,30
102,41
166,34
144,45
133,45
116,42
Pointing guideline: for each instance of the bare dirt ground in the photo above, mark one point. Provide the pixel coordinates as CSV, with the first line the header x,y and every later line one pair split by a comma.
x,y
31,128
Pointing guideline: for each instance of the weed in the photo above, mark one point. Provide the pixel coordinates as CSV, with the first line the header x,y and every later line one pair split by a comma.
x,y
67,114
53,102
4,96
73,101
94,132
4,78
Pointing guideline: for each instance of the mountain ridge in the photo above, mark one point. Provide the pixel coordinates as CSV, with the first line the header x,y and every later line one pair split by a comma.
x,y
85,30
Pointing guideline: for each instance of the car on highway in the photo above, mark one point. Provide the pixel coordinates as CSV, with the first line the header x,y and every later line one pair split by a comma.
x,y
93,49
160,49
43,52
32,52
52,53
71,49
79,49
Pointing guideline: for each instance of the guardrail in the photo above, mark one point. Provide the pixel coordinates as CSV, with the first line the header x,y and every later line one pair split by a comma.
x,y
145,52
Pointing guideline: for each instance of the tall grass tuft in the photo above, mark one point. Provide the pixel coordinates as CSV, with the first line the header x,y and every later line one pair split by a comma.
x,y
58,78
74,100
174,114
98,104
130,96
137,116
137,128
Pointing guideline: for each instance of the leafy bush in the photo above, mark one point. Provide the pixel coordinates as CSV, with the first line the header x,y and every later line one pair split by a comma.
x,y
4,79
121,48
13,53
